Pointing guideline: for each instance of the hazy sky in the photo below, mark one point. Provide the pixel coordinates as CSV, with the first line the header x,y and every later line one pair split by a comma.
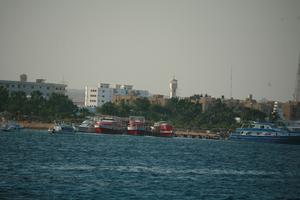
x,y
146,43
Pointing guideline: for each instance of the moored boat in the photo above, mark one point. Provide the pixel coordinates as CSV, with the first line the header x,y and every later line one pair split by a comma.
x,y
110,125
136,125
162,129
265,132
62,128
9,126
87,126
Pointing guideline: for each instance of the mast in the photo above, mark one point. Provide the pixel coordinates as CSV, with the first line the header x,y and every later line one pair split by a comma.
x,y
231,83
297,88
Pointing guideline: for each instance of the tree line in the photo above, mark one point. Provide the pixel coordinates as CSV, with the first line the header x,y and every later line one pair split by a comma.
x,y
184,113
20,107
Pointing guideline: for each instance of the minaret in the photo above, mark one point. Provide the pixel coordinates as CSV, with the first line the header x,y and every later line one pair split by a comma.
x,y
297,88
173,88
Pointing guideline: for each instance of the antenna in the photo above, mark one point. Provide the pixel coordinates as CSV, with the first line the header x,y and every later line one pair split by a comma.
x,y
297,88
63,80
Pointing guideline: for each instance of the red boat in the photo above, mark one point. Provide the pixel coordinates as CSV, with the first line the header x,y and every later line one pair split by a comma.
x,y
162,129
109,125
136,125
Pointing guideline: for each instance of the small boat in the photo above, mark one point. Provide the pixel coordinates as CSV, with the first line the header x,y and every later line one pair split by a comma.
x,y
162,129
136,125
265,132
110,125
62,128
87,126
10,126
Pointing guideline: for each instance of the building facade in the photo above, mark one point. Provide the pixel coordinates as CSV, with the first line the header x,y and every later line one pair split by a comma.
x,y
291,110
103,93
28,87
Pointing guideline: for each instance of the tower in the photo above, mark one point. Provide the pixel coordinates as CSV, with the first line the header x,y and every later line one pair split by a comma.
x,y
297,88
173,88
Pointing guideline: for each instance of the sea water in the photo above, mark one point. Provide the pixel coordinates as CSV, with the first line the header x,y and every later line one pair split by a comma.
x,y
38,165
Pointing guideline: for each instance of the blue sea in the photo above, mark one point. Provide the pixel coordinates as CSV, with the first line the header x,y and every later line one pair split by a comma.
x,y
38,165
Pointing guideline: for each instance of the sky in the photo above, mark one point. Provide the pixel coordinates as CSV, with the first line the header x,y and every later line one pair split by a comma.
x,y
146,42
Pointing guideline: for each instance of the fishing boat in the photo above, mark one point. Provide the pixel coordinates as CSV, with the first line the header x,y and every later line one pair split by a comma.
x,y
162,129
62,128
110,125
136,125
265,132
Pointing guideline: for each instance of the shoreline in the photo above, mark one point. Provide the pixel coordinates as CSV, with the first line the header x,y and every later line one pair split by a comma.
x,y
187,134
36,125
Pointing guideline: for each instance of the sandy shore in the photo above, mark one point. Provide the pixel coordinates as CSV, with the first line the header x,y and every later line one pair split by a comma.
x,y
35,125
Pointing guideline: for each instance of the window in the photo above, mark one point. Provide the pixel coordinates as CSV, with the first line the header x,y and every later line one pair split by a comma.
x,y
32,87
12,86
47,88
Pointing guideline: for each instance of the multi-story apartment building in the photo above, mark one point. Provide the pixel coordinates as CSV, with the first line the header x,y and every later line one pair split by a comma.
x,y
103,93
28,87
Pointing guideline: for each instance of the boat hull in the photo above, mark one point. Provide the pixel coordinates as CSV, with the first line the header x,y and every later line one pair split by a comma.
x,y
105,130
87,129
135,132
268,139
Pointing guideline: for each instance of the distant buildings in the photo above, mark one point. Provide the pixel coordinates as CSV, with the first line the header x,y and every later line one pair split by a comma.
x,y
77,96
158,99
291,110
28,87
103,93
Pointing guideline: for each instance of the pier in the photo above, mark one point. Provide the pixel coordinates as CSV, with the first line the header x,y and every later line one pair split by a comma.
x,y
201,134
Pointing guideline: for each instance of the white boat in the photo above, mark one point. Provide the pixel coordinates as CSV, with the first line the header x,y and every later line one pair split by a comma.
x,y
62,128
10,126
265,132
87,126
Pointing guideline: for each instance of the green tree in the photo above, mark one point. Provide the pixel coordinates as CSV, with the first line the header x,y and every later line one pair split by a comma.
x,y
124,109
36,104
18,104
141,106
59,106
3,98
83,113
108,108
247,114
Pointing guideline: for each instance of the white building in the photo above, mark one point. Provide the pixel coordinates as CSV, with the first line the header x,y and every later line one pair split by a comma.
x,y
173,88
103,93
28,87
91,96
